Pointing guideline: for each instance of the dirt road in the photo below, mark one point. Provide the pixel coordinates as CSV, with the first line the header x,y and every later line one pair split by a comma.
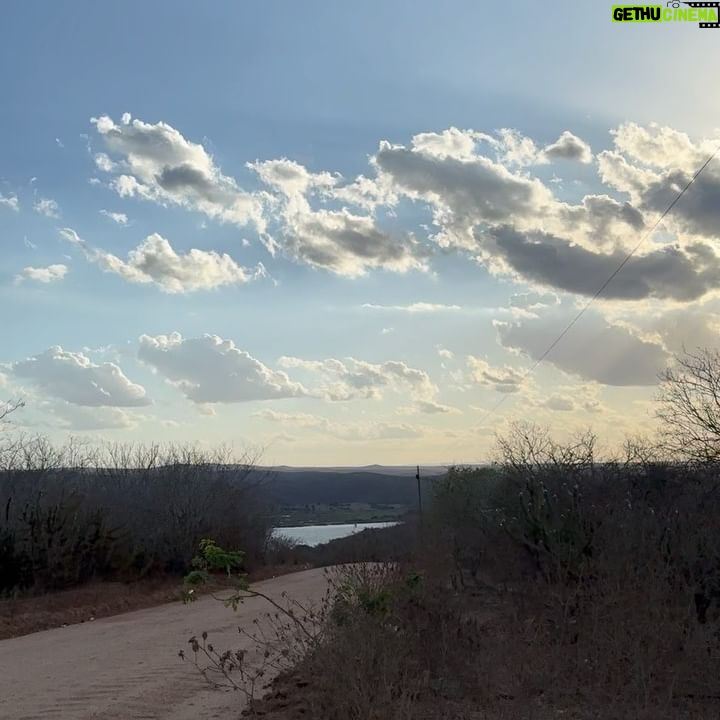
x,y
126,667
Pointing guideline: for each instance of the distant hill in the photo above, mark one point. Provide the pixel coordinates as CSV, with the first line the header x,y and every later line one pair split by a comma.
x,y
392,486
401,470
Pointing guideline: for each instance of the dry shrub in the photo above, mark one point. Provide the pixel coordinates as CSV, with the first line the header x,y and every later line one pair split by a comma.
x,y
72,513
552,584
609,572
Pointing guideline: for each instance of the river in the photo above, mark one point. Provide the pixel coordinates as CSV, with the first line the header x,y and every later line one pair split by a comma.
x,y
313,535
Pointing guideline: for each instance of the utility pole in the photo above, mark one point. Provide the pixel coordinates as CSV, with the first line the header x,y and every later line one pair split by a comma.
x,y
417,477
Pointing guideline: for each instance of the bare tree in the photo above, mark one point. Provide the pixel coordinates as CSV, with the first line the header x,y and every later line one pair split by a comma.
x,y
9,407
690,406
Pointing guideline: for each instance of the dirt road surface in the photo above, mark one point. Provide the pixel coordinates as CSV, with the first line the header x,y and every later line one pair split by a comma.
x,y
127,668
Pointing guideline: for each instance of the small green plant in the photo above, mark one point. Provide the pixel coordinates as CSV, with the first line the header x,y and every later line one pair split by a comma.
x,y
211,558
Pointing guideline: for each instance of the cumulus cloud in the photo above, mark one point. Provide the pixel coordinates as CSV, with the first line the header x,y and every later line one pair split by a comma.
x,y
48,208
348,244
339,241
75,378
350,379
652,165
292,179
10,201
46,275
116,217
594,349
158,163
503,379
463,192
155,262
569,147
483,198
209,369
669,272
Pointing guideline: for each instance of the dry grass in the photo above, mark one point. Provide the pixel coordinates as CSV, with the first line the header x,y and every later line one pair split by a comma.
x,y
24,615
28,614
553,586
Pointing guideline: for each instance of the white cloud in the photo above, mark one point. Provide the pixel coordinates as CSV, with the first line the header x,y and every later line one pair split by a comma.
x,y
10,201
47,274
210,369
157,163
292,179
48,208
339,241
652,165
430,407
75,378
350,379
155,262
463,191
569,147
504,379
116,217
347,244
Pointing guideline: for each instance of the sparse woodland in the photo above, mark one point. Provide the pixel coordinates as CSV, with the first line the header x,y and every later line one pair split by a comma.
x,y
73,513
556,582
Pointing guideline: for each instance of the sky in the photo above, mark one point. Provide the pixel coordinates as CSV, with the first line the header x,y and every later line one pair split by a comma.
x,y
345,233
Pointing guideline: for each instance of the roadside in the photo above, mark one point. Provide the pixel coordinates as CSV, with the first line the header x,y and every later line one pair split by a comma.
x,y
92,601
128,667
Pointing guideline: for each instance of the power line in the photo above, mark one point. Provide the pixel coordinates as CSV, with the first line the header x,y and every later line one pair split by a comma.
x,y
601,289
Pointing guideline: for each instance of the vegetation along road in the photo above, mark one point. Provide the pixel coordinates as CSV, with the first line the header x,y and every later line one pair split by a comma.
x,y
127,667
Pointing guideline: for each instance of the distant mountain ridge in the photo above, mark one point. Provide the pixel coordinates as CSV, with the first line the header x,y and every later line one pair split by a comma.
x,y
375,485
401,470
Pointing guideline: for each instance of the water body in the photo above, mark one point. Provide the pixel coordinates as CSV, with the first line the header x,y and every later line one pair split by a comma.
x,y
313,535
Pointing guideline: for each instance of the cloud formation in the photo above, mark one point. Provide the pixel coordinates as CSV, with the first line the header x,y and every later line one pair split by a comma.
x,y
117,217
504,379
652,165
48,274
48,208
157,163
340,241
569,147
155,262
670,272
594,349
209,369
10,201
351,379
75,378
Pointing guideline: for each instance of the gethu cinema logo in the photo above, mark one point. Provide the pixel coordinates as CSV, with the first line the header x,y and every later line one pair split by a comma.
x,y
704,13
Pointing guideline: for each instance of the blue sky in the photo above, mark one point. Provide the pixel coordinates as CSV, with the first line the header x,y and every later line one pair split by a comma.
x,y
189,254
